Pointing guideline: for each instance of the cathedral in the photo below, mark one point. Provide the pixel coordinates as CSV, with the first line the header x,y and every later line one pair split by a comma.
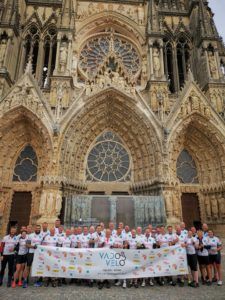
x,y
111,110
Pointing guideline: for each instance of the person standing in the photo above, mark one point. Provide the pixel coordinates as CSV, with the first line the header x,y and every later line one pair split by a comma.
x,y
65,242
21,258
192,245
203,259
34,239
215,255
51,240
108,242
8,245
150,243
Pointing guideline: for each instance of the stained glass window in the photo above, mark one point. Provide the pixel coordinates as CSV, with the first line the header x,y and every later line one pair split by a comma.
x,y
186,168
97,49
108,160
26,165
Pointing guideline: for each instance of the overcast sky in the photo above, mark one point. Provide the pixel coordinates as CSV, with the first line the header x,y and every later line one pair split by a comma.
x,y
218,7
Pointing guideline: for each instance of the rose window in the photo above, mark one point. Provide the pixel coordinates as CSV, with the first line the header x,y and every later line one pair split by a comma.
x,y
108,160
95,52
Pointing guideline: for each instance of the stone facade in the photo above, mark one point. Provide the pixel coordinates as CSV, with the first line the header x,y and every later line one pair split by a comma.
x,y
152,72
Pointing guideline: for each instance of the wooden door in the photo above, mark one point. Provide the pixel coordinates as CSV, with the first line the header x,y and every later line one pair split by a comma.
x,y
20,209
190,210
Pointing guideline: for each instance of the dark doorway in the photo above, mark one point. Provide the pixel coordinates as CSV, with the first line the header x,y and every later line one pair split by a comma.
x,y
190,210
100,209
20,209
125,211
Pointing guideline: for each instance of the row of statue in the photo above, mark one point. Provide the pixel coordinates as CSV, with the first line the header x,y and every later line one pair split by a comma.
x,y
109,78
214,207
50,203
136,14
194,104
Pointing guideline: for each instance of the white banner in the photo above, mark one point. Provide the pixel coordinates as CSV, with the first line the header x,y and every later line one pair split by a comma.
x,y
105,263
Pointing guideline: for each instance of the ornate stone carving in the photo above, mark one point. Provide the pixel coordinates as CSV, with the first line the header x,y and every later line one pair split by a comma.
x,y
50,204
63,57
24,95
214,206
213,65
156,62
3,46
221,203
207,205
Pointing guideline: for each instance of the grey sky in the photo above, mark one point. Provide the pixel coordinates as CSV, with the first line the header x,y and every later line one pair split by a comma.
x,y
218,7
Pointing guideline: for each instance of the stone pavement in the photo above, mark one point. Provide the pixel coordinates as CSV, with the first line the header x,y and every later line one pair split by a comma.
x,y
86,293
73,292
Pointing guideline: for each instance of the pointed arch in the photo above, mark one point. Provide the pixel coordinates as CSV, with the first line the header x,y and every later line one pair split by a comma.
x,y
110,111
20,127
205,143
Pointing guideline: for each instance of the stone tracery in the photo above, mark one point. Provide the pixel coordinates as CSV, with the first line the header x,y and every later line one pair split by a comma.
x,y
102,50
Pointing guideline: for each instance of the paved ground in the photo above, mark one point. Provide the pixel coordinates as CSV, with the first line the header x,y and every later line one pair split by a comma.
x,y
83,293
73,292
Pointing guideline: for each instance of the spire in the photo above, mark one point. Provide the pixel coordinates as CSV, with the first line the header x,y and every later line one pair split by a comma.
x,y
206,22
67,15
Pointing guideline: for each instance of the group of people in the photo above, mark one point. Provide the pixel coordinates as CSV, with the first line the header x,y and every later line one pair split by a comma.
x,y
203,250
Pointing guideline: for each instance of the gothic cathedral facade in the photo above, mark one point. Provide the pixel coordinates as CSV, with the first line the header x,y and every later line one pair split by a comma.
x,y
118,97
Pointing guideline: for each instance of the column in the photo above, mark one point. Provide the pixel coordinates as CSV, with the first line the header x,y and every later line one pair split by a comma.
x,y
57,56
40,59
162,62
113,209
150,60
175,69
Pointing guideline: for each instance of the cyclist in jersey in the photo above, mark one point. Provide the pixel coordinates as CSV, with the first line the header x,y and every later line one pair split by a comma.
x,y
192,245
203,258
7,257
214,254
21,258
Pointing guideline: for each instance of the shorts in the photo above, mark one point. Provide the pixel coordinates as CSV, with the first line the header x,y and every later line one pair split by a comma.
x,y
192,262
216,258
30,257
21,259
203,260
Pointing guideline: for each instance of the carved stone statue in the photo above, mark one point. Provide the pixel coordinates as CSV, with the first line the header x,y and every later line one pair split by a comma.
x,y
207,207
156,62
214,204
74,66
58,203
144,68
212,65
3,46
194,102
63,57
176,209
43,204
221,202
50,207
168,204
141,14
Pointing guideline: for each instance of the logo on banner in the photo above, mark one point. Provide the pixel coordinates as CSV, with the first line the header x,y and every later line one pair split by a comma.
x,y
113,259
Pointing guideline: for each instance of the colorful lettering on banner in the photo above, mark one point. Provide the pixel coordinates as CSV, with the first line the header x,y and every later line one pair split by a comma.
x,y
109,263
